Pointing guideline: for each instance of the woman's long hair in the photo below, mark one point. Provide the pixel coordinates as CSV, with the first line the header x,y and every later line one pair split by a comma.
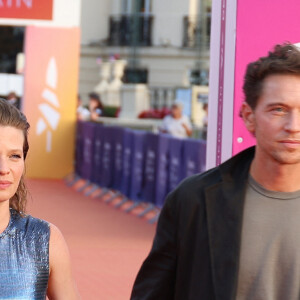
x,y
11,116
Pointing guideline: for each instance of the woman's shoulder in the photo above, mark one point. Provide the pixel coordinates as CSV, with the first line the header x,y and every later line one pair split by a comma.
x,y
29,224
37,226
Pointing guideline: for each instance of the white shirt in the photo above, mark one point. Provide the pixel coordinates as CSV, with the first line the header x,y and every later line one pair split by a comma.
x,y
83,112
175,127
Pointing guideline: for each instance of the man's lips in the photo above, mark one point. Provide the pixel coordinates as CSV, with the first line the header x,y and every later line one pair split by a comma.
x,y
291,142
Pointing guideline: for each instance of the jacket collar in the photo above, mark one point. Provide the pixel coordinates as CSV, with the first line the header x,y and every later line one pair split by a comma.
x,y
224,204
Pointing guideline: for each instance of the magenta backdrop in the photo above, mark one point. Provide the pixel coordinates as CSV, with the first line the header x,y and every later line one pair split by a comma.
x,y
260,25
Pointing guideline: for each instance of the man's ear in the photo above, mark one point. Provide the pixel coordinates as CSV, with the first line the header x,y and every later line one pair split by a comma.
x,y
247,113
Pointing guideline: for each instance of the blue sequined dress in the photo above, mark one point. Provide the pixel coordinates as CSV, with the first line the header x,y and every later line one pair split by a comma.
x,y
24,258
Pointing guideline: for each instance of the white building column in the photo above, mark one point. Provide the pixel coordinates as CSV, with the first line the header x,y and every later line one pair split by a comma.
x,y
134,99
116,7
114,88
102,87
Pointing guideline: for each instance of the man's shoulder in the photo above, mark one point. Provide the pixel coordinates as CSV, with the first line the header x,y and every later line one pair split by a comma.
x,y
192,189
198,182
167,118
189,195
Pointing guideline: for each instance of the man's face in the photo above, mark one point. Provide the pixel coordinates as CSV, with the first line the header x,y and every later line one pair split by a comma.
x,y
176,111
275,122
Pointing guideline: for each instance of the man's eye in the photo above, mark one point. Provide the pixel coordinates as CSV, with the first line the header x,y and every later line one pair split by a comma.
x,y
16,156
279,109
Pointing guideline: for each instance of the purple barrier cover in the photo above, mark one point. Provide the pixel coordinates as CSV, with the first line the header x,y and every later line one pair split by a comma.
x,y
118,145
194,156
128,136
97,159
88,131
107,162
79,148
162,169
175,162
151,152
137,165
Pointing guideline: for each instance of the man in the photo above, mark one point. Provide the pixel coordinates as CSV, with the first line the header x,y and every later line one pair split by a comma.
x,y
176,123
233,232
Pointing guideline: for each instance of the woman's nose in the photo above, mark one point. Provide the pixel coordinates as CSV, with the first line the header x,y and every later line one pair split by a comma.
x,y
4,167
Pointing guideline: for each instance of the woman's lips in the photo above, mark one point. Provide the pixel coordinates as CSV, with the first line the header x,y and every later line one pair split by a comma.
x,y
4,184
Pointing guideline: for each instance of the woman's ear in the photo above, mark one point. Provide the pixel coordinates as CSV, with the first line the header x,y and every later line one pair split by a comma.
x,y
247,113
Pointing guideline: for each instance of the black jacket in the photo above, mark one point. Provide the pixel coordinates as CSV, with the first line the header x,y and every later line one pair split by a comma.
x,y
195,253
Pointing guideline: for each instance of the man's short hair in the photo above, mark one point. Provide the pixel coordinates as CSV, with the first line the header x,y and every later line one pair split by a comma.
x,y
284,59
178,104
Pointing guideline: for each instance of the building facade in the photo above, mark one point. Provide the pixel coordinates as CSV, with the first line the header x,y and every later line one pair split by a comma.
x,y
165,43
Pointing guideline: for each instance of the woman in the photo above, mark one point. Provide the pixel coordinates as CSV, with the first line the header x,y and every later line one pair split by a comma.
x,y
95,106
34,258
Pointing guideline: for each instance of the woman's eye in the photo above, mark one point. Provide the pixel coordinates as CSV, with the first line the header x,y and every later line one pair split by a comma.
x,y
16,156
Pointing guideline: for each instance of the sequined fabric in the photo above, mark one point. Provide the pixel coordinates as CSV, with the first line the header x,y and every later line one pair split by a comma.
x,y
24,258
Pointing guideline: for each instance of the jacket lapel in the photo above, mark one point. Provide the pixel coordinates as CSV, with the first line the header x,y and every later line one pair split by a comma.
x,y
224,207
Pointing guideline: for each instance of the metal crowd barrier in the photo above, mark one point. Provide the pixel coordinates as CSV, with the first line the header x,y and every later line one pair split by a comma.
x,y
138,165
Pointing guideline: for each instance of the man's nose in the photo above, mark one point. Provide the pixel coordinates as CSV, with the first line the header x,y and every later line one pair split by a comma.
x,y
293,122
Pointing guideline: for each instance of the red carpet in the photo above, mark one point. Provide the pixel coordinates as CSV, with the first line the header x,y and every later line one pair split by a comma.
x,y
107,245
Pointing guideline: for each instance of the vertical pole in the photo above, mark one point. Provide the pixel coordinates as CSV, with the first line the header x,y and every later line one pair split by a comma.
x,y
221,83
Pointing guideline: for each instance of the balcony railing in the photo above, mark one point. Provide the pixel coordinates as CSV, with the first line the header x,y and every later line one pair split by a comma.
x,y
196,32
130,30
161,97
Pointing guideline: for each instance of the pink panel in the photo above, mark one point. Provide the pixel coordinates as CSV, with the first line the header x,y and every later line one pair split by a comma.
x,y
260,25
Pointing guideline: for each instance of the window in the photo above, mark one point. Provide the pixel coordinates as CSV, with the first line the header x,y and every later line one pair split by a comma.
x,y
130,6
11,43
